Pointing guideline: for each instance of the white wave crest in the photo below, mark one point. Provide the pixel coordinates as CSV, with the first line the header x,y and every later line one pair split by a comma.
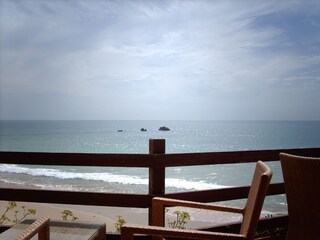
x,y
191,185
105,177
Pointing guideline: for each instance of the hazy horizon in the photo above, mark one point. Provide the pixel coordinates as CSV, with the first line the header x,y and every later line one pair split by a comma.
x,y
164,121
153,60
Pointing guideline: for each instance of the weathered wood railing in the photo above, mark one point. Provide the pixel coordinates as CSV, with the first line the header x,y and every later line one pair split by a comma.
x,y
156,161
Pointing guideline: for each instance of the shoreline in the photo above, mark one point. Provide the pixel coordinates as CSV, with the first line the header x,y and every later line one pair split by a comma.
x,y
108,215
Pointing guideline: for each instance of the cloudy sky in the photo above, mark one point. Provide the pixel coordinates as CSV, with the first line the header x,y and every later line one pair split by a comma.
x,y
160,60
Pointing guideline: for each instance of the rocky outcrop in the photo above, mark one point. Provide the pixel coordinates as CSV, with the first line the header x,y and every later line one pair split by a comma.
x,y
164,128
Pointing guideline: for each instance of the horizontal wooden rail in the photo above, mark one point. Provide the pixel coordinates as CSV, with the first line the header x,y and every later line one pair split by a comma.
x,y
223,194
126,200
78,159
192,159
77,198
148,160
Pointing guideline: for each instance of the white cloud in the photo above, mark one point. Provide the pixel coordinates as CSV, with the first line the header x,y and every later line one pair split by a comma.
x,y
178,54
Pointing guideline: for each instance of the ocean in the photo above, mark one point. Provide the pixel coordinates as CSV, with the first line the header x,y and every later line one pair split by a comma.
x,y
127,137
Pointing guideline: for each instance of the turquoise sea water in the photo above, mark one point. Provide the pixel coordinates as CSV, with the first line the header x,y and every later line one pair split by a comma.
x,y
185,136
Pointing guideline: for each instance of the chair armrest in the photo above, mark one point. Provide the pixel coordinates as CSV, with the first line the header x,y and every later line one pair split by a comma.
x,y
168,202
159,204
127,232
40,226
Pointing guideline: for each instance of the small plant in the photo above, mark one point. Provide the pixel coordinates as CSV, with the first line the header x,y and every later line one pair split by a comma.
x,y
119,223
18,215
68,215
181,219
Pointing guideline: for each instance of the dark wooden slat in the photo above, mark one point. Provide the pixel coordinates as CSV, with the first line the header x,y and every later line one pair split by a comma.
x,y
189,159
211,195
77,159
148,160
80,198
216,195
157,172
125,200
157,175
276,188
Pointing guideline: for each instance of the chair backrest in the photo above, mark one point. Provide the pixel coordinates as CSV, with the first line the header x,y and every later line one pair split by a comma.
x,y
257,193
302,185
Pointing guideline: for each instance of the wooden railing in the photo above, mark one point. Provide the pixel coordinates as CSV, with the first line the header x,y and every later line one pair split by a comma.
x,y
156,161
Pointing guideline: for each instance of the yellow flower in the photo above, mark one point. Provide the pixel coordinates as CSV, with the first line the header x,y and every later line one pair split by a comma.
x,y
11,205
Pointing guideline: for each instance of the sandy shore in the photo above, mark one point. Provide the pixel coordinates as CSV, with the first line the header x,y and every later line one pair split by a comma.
x,y
108,215
54,212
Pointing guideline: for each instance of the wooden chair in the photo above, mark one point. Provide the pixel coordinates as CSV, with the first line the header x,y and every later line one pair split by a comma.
x,y
251,213
40,226
302,185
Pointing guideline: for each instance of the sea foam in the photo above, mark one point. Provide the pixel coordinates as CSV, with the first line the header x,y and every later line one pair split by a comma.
x,y
104,177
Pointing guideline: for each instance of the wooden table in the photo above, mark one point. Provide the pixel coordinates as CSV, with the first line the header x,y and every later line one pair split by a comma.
x,y
60,230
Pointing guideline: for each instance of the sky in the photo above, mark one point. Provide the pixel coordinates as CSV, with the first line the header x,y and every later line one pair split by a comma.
x,y
159,60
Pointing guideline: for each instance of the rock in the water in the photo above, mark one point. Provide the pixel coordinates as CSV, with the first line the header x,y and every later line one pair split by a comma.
x,y
164,128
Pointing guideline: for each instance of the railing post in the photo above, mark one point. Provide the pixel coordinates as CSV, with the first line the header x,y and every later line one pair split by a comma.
x,y
157,172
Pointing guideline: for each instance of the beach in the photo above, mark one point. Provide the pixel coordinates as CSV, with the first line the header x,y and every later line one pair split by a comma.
x,y
108,215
